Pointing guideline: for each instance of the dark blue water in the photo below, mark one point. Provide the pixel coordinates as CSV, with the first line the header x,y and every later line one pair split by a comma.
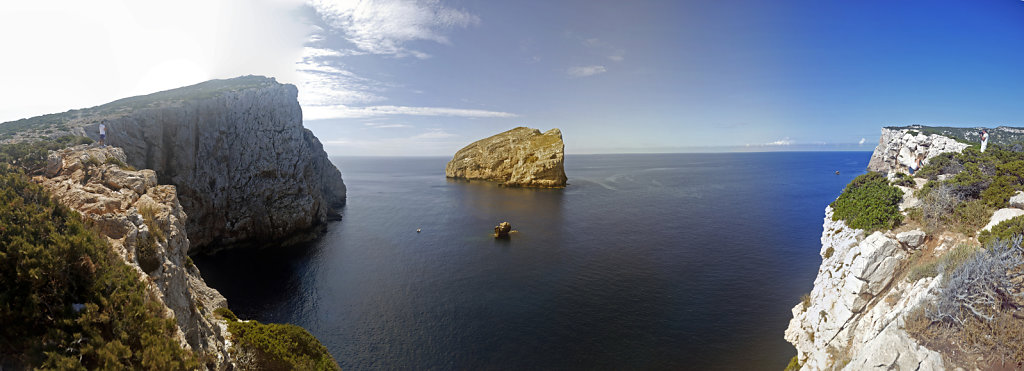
x,y
673,261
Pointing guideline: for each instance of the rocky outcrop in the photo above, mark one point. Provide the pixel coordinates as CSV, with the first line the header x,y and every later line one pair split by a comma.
x,y
899,148
518,157
144,223
855,314
246,170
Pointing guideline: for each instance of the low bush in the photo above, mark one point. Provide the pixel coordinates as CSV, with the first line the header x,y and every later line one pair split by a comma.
x,y
794,364
226,314
30,157
976,309
904,180
279,347
1003,231
869,202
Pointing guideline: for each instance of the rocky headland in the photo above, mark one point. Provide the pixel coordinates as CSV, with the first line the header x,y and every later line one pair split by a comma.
x,y
246,170
221,163
521,157
882,296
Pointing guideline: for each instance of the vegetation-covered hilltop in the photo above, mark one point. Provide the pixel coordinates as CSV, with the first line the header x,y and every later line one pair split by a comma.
x,y
59,124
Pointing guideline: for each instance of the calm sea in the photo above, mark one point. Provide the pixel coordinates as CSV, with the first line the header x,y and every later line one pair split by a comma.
x,y
663,261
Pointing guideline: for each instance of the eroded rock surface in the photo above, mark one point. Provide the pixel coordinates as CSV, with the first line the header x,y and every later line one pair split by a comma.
x,y
246,170
145,224
900,148
856,311
518,157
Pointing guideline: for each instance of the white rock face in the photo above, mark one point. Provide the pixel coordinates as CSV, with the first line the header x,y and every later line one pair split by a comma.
x,y
1002,215
912,239
848,313
898,149
1017,201
245,169
118,201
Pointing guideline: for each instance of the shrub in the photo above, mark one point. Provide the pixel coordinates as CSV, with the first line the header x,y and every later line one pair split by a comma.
x,y
869,202
903,179
980,283
149,218
794,364
117,162
970,216
67,301
1003,231
226,314
937,206
279,347
829,251
30,157
805,300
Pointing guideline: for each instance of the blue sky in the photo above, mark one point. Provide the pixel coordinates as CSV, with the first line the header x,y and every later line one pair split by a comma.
x,y
388,77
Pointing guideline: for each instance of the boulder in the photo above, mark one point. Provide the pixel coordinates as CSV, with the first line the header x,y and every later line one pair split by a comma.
x,y
502,230
1017,201
911,239
519,157
1002,215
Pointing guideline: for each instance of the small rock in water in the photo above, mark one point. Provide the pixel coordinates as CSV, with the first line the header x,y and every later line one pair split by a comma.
x,y
417,230
501,230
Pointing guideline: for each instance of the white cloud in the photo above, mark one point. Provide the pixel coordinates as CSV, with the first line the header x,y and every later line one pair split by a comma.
x,y
77,54
384,26
584,71
386,126
781,142
432,142
342,111
862,140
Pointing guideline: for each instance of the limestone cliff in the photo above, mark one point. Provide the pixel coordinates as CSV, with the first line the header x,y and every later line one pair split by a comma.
x,y
854,316
246,170
518,157
143,221
899,148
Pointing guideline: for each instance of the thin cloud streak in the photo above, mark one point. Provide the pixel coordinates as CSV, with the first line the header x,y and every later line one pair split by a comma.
x,y
383,27
584,71
345,112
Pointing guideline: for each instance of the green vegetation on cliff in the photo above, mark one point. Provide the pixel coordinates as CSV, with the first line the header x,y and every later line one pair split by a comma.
x,y
276,346
869,202
66,300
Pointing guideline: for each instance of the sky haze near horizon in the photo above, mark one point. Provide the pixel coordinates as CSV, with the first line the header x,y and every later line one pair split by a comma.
x,y
394,77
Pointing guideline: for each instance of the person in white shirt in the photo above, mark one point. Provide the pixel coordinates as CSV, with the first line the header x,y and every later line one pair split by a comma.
x,y
103,135
984,140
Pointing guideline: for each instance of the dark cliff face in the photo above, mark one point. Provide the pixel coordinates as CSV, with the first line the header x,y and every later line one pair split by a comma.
x,y
246,170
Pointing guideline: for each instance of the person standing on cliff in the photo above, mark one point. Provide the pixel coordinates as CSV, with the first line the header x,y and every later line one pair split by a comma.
x,y
984,140
103,134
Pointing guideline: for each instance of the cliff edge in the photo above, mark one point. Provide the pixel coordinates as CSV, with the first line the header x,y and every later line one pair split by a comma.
x,y
519,157
145,225
899,148
246,170
935,279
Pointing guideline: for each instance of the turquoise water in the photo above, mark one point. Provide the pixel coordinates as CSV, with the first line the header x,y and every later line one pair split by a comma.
x,y
674,261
